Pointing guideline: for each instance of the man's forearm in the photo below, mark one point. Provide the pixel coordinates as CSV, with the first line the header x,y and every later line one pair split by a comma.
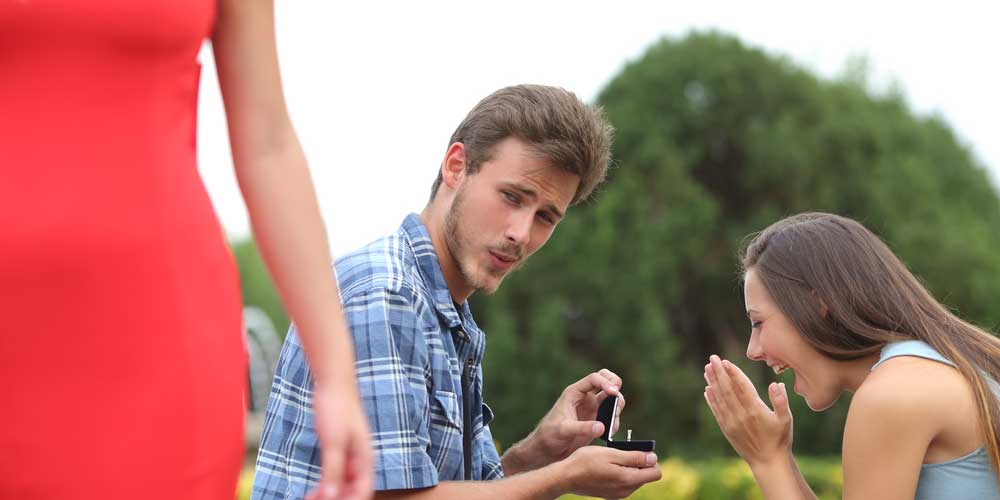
x,y
521,458
542,484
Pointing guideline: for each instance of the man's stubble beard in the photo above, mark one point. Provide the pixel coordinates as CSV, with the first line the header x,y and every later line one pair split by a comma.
x,y
455,239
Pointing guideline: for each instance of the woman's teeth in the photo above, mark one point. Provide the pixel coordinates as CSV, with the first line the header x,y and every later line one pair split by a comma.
x,y
778,368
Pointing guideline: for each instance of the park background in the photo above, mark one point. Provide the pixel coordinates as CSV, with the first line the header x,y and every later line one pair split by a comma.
x,y
728,117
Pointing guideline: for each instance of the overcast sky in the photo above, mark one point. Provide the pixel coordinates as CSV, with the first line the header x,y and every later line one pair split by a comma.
x,y
375,89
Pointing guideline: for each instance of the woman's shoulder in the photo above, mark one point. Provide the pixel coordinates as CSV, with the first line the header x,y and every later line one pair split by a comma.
x,y
914,392
911,380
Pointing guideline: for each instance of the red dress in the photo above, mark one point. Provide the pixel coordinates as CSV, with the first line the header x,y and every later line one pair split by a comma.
x,y
121,356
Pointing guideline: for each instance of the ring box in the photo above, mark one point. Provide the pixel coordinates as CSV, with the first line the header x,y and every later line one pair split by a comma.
x,y
606,414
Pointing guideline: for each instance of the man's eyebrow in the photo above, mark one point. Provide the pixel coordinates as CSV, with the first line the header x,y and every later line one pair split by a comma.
x,y
530,193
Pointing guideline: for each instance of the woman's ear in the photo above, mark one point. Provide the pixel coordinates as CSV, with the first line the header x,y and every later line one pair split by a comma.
x,y
823,310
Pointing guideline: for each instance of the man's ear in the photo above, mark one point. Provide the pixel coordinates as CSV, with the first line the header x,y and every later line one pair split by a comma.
x,y
453,168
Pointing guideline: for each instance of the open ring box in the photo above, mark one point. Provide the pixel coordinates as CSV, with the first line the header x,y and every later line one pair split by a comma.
x,y
606,414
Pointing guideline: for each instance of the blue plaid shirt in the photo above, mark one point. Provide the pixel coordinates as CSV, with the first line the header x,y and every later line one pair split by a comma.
x,y
411,343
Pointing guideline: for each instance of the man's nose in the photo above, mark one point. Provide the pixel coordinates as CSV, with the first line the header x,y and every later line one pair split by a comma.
x,y
519,227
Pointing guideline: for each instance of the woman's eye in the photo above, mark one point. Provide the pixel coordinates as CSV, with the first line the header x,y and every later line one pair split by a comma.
x,y
755,324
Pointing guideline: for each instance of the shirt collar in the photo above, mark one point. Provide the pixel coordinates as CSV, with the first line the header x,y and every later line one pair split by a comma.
x,y
430,270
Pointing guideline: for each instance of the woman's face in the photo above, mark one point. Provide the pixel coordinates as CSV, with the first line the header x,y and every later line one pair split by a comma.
x,y
775,341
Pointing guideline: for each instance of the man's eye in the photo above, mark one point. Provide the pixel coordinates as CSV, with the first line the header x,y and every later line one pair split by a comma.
x,y
546,217
511,197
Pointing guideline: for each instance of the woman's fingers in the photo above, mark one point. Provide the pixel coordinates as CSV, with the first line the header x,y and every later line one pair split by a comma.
x,y
745,391
721,417
725,396
779,400
716,391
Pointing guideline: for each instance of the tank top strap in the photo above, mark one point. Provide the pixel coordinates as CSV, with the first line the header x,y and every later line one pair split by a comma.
x,y
917,348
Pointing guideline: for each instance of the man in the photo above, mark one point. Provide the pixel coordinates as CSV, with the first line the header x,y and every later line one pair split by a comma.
x,y
516,163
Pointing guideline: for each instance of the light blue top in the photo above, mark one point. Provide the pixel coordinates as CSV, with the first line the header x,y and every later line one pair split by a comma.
x,y
970,477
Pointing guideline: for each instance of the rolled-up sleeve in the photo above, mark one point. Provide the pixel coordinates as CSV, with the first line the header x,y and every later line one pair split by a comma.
x,y
492,468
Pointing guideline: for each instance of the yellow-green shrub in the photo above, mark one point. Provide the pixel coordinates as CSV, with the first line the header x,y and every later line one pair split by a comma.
x,y
716,479
730,479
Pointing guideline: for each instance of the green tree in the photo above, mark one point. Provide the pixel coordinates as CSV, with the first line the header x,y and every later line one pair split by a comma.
x,y
716,140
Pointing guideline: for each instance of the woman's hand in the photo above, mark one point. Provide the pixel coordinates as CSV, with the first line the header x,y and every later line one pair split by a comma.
x,y
344,441
761,436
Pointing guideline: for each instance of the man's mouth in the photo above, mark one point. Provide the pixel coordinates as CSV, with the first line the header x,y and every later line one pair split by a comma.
x,y
502,261
504,257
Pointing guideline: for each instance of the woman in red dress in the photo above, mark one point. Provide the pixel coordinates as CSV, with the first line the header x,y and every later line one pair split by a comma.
x,y
121,351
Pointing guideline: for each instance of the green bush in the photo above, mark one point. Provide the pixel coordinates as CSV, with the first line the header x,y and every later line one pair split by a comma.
x,y
731,479
714,479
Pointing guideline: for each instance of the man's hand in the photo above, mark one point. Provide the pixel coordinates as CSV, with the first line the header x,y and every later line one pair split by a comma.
x,y
608,473
569,425
591,471
344,441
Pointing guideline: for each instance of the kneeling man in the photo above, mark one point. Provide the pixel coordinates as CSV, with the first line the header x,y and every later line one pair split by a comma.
x,y
514,166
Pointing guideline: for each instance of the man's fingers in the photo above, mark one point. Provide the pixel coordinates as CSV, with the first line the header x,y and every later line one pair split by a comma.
x,y
621,403
637,459
612,376
593,383
572,429
644,475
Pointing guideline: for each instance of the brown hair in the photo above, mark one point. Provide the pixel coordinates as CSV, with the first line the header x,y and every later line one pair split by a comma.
x,y
871,299
556,124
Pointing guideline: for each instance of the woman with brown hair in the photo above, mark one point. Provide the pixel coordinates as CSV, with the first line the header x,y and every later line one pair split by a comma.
x,y
827,299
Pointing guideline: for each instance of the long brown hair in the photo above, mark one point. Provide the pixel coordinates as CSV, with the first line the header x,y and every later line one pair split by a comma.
x,y
871,299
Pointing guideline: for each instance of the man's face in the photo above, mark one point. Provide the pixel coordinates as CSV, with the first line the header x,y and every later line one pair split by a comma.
x,y
504,212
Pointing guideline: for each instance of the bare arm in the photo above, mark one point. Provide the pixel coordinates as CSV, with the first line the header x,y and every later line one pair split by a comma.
x,y
591,470
887,435
275,182
804,488
528,486
782,480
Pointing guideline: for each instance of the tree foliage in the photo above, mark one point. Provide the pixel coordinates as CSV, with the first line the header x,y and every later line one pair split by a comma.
x,y
716,140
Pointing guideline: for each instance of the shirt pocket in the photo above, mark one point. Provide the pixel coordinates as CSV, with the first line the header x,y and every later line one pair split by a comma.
x,y
446,412
446,435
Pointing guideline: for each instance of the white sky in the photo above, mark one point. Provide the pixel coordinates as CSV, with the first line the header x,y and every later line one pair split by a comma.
x,y
376,88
